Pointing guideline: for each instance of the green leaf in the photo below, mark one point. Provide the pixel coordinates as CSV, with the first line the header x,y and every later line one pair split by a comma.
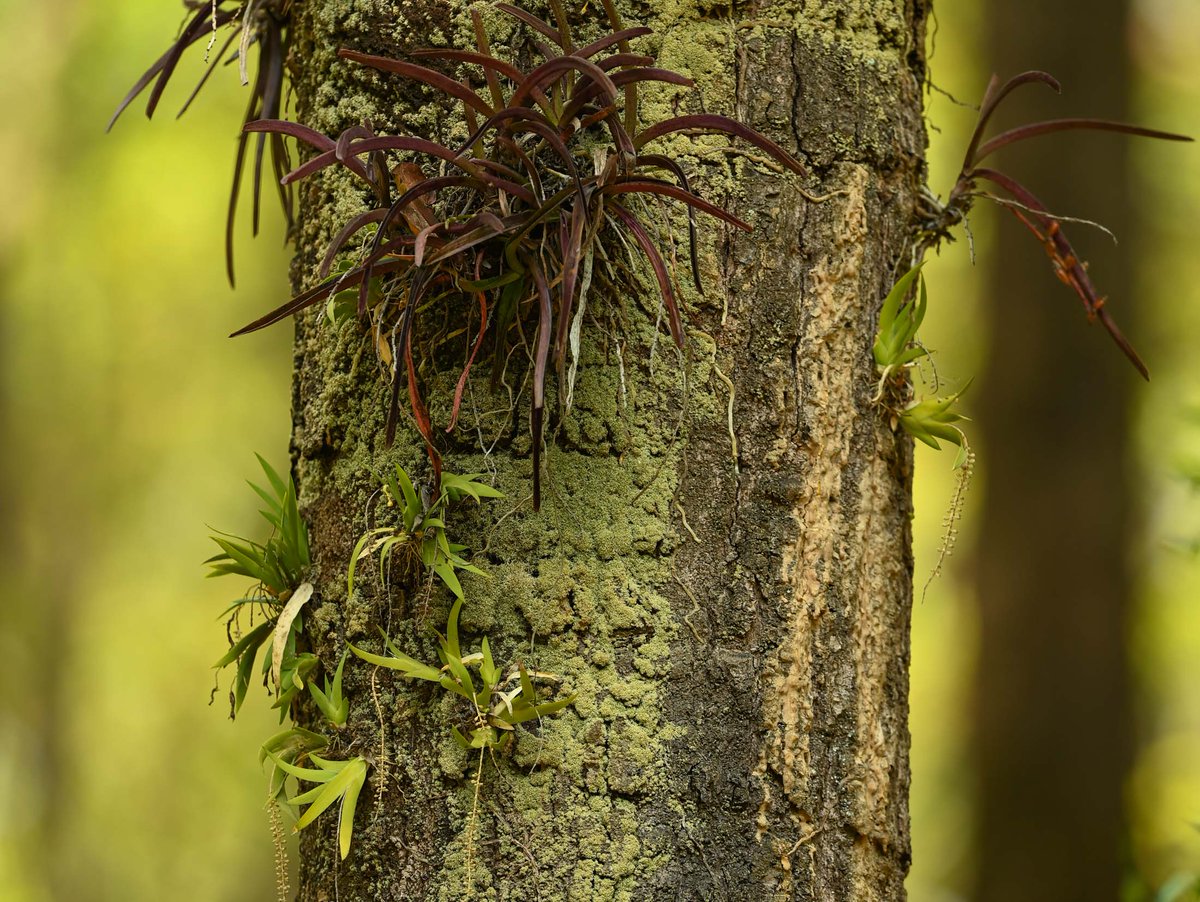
x,y
455,685
290,746
330,702
359,553
309,796
291,743
487,670
452,646
527,692
349,805
253,638
328,763
410,667
445,570
523,713
412,504
483,737
336,713
892,321
250,561
241,682
341,783
303,773
458,485
277,482
272,502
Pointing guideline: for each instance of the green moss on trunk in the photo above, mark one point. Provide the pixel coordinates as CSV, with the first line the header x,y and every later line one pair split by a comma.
x,y
674,587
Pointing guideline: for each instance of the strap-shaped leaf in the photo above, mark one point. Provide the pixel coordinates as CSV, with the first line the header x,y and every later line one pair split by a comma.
x,y
283,626
312,775
412,504
409,667
446,572
522,714
666,189
349,805
290,743
252,639
709,122
430,77
994,96
659,267
350,777
1034,129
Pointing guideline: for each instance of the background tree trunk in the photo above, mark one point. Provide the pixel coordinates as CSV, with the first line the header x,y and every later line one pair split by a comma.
x,y
1053,728
721,567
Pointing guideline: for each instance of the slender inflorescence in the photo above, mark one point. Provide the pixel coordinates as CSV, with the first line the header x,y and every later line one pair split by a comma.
x,y
1022,202
261,22
511,217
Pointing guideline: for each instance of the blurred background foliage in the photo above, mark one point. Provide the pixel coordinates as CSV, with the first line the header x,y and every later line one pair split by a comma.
x,y
129,423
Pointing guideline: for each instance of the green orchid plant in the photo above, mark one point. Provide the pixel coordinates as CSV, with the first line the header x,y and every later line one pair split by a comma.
x,y
422,529
498,704
279,568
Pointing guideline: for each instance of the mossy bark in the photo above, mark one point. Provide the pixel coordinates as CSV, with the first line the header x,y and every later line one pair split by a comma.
x,y
721,567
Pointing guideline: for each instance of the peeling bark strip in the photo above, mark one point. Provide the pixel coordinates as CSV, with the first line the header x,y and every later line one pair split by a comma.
x,y
721,567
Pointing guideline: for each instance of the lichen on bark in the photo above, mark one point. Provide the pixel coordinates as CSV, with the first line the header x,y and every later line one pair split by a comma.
x,y
734,626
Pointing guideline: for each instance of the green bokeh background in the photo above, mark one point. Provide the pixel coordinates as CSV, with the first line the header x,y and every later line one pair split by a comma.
x,y
129,423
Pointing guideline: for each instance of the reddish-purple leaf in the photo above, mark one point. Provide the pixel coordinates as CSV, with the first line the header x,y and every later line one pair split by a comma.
x,y
481,296
475,237
540,355
994,96
341,149
199,26
309,136
487,62
666,189
268,88
408,198
359,222
367,145
423,237
208,71
485,50
1034,129
624,59
556,68
1067,264
434,79
661,274
617,37
670,165
572,256
532,21
710,123
235,189
317,293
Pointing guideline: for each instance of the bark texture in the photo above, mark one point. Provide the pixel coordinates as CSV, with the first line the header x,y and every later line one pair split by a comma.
x,y
721,567
1054,727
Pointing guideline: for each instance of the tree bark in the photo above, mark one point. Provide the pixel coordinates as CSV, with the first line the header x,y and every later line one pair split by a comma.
x,y
721,568
1053,713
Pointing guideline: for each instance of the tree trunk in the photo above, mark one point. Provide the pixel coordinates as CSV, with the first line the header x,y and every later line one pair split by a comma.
x,y
721,567
1054,722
